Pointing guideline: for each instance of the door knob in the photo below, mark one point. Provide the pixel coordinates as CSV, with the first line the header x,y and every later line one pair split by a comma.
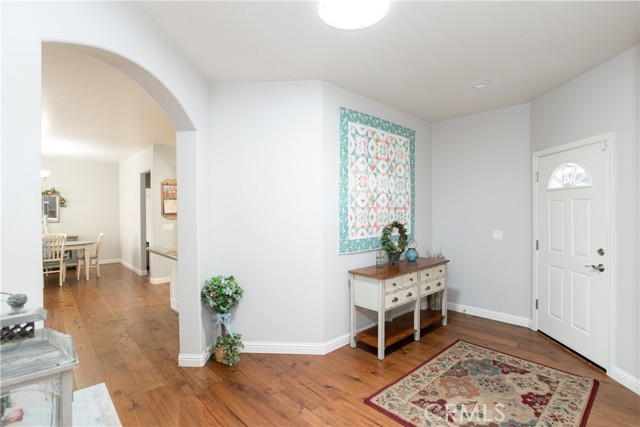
x,y
598,267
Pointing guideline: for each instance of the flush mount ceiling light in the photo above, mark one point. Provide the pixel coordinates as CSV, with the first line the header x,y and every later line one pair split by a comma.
x,y
481,84
352,14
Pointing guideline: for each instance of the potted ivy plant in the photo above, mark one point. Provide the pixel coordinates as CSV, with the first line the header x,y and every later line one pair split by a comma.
x,y
227,348
221,294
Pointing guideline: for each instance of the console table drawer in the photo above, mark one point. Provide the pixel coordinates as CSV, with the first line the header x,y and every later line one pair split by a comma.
x,y
433,286
432,273
440,271
399,282
400,297
427,275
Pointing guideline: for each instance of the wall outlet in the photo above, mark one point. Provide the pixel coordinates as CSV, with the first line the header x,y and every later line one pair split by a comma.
x,y
497,235
167,226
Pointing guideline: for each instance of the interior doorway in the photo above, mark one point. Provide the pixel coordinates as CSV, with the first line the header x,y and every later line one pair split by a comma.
x,y
183,130
146,220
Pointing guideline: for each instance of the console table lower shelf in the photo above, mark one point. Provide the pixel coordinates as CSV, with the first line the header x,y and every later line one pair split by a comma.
x,y
392,287
399,328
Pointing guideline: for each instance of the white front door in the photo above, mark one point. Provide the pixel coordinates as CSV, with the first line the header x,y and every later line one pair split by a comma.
x,y
573,265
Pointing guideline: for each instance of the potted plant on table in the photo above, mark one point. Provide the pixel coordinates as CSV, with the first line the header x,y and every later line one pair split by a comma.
x,y
221,294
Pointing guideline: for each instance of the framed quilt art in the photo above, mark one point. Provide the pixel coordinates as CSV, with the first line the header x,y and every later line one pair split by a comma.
x,y
377,161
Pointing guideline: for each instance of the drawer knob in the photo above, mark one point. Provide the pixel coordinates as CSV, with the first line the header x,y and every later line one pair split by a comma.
x,y
395,299
439,284
411,279
394,283
409,294
428,287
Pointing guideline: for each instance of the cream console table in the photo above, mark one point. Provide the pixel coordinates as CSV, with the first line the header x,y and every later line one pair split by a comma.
x,y
384,288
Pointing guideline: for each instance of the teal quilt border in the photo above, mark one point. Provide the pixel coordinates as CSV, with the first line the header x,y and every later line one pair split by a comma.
x,y
347,245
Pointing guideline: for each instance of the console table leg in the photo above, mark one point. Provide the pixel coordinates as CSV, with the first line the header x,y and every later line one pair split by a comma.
x,y
352,315
444,307
381,334
416,319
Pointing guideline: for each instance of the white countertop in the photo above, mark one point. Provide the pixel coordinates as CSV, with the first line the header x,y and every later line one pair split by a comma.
x,y
167,251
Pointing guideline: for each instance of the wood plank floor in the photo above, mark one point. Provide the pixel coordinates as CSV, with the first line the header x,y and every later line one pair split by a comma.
x,y
126,336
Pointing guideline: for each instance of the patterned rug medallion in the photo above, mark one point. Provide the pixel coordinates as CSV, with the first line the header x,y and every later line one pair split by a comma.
x,y
469,385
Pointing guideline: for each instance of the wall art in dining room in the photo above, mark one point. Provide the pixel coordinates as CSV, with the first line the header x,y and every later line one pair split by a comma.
x,y
377,160
169,195
52,201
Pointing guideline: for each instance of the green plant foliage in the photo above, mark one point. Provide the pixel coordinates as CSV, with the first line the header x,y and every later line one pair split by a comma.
x,y
5,402
232,344
221,293
53,192
394,245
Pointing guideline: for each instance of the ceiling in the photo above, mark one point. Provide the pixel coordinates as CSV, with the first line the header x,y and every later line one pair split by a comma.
x,y
92,111
421,58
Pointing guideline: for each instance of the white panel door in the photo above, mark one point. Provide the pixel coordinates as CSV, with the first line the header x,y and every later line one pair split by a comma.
x,y
573,249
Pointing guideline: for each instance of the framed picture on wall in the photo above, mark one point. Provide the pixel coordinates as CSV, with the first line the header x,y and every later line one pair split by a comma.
x,y
169,198
51,208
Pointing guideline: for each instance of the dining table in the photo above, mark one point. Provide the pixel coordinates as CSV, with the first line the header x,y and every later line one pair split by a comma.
x,y
84,245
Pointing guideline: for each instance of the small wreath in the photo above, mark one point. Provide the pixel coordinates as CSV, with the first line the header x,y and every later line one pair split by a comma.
x,y
390,245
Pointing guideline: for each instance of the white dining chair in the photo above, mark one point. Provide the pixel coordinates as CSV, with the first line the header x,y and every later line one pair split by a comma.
x,y
94,261
53,260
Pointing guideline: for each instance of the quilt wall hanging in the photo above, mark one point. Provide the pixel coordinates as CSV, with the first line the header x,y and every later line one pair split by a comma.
x,y
377,162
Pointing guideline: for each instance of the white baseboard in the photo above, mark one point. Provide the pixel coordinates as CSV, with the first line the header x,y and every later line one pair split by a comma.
x,y
193,360
267,347
624,378
159,280
490,314
132,268
110,261
296,348
329,346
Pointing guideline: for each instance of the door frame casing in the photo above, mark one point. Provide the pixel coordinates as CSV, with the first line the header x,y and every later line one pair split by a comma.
x,y
608,139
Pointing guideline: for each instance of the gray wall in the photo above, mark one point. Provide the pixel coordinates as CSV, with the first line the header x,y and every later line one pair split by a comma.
x,y
336,279
164,167
275,165
91,190
481,182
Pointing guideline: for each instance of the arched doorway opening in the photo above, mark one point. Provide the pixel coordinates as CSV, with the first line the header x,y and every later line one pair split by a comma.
x,y
126,38
184,129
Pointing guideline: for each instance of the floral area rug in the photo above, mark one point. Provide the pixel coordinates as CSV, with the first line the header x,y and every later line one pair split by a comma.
x,y
469,385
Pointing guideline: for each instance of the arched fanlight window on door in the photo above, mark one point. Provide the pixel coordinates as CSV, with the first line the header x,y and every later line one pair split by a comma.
x,y
569,175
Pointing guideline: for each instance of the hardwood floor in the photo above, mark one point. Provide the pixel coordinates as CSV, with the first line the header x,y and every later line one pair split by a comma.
x,y
126,336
